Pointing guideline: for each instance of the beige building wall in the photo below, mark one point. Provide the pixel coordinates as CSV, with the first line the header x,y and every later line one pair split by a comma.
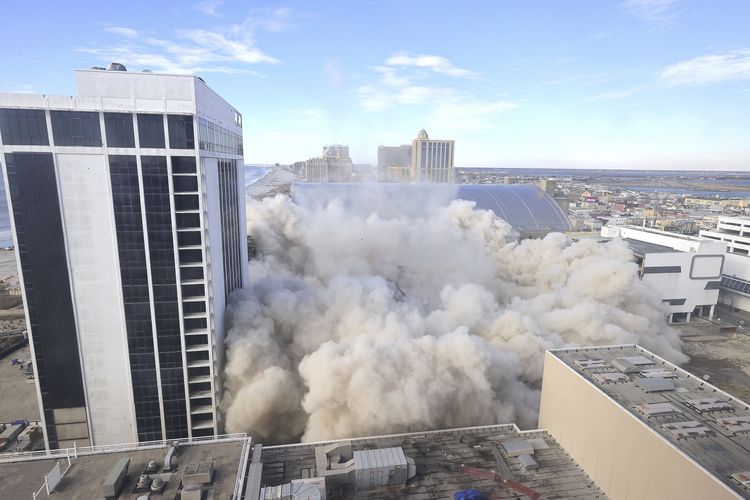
x,y
626,458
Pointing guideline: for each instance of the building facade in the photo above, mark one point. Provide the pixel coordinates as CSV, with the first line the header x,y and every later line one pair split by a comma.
x,y
334,165
127,209
735,279
431,159
684,270
393,163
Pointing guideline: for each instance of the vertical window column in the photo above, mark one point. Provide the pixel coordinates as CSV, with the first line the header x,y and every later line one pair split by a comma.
x,y
135,290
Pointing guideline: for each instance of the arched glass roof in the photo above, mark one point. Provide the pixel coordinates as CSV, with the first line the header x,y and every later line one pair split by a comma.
x,y
524,206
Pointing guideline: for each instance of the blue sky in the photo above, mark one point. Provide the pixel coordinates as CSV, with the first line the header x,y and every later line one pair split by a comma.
x,y
577,84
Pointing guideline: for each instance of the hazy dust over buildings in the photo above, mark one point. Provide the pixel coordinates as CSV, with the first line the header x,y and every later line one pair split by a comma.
x,y
358,324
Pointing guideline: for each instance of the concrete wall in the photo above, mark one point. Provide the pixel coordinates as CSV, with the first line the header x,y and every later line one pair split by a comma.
x,y
697,270
94,274
626,458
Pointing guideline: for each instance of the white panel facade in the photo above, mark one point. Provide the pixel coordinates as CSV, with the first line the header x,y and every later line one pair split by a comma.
x,y
94,272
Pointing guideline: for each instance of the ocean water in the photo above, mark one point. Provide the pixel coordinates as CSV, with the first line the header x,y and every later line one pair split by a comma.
x,y
253,173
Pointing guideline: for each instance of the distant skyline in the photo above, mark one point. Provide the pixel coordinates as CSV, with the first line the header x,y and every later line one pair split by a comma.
x,y
657,84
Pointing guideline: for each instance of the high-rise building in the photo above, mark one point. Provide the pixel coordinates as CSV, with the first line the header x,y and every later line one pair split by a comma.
x,y
393,163
127,208
431,159
334,165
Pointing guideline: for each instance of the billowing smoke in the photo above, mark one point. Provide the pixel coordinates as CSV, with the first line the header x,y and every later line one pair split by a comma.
x,y
359,324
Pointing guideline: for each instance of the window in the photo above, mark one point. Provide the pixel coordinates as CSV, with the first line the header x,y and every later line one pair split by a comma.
x,y
185,184
119,130
76,128
23,127
186,202
181,132
151,131
183,164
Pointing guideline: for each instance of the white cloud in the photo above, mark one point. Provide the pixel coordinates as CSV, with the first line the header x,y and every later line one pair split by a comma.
x,y
399,83
209,7
733,65
122,31
434,63
227,50
468,113
613,95
653,11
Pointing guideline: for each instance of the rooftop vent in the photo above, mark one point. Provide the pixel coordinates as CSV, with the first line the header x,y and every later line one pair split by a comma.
x,y
736,424
115,66
655,384
517,448
590,364
708,404
658,409
692,428
610,378
98,68
147,71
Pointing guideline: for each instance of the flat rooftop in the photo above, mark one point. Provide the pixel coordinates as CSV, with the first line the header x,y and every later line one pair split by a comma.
x,y
643,247
705,423
87,473
438,456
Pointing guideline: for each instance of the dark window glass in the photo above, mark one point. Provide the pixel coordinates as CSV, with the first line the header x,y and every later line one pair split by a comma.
x,y
183,164
193,340
189,238
76,128
156,196
151,131
230,206
41,249
188,221
195,324
193,291
193,307
23,127
186,202
119,129
185,184
181,132
191,273
191,256
131,250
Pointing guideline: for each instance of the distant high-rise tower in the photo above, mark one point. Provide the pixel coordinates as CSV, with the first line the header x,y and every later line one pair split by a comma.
x,y
128,215
431,159
333,166
393,163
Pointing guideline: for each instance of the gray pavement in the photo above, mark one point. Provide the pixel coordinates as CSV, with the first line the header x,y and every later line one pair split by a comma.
x,y
17,395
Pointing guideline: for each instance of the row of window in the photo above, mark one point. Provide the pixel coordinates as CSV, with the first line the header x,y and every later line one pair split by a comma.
x,y
218,139
28,127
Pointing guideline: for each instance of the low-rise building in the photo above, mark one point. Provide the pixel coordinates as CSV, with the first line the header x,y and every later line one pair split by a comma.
x,y
684,270
735,279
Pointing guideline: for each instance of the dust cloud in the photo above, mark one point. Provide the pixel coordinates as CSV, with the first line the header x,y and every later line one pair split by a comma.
x,y
358,324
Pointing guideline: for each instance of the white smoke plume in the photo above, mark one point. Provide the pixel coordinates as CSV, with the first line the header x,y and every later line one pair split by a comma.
x,y
359,324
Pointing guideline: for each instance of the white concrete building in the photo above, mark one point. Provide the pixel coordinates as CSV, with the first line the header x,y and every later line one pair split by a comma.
x,y
685,270
128,216
735,280
432,159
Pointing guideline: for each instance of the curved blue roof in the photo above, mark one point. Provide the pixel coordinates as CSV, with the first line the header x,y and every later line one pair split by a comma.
x,y
524,206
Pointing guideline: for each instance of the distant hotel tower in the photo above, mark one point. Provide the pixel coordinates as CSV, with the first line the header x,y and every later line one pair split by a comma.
x,y
334,165
431,160
128,215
